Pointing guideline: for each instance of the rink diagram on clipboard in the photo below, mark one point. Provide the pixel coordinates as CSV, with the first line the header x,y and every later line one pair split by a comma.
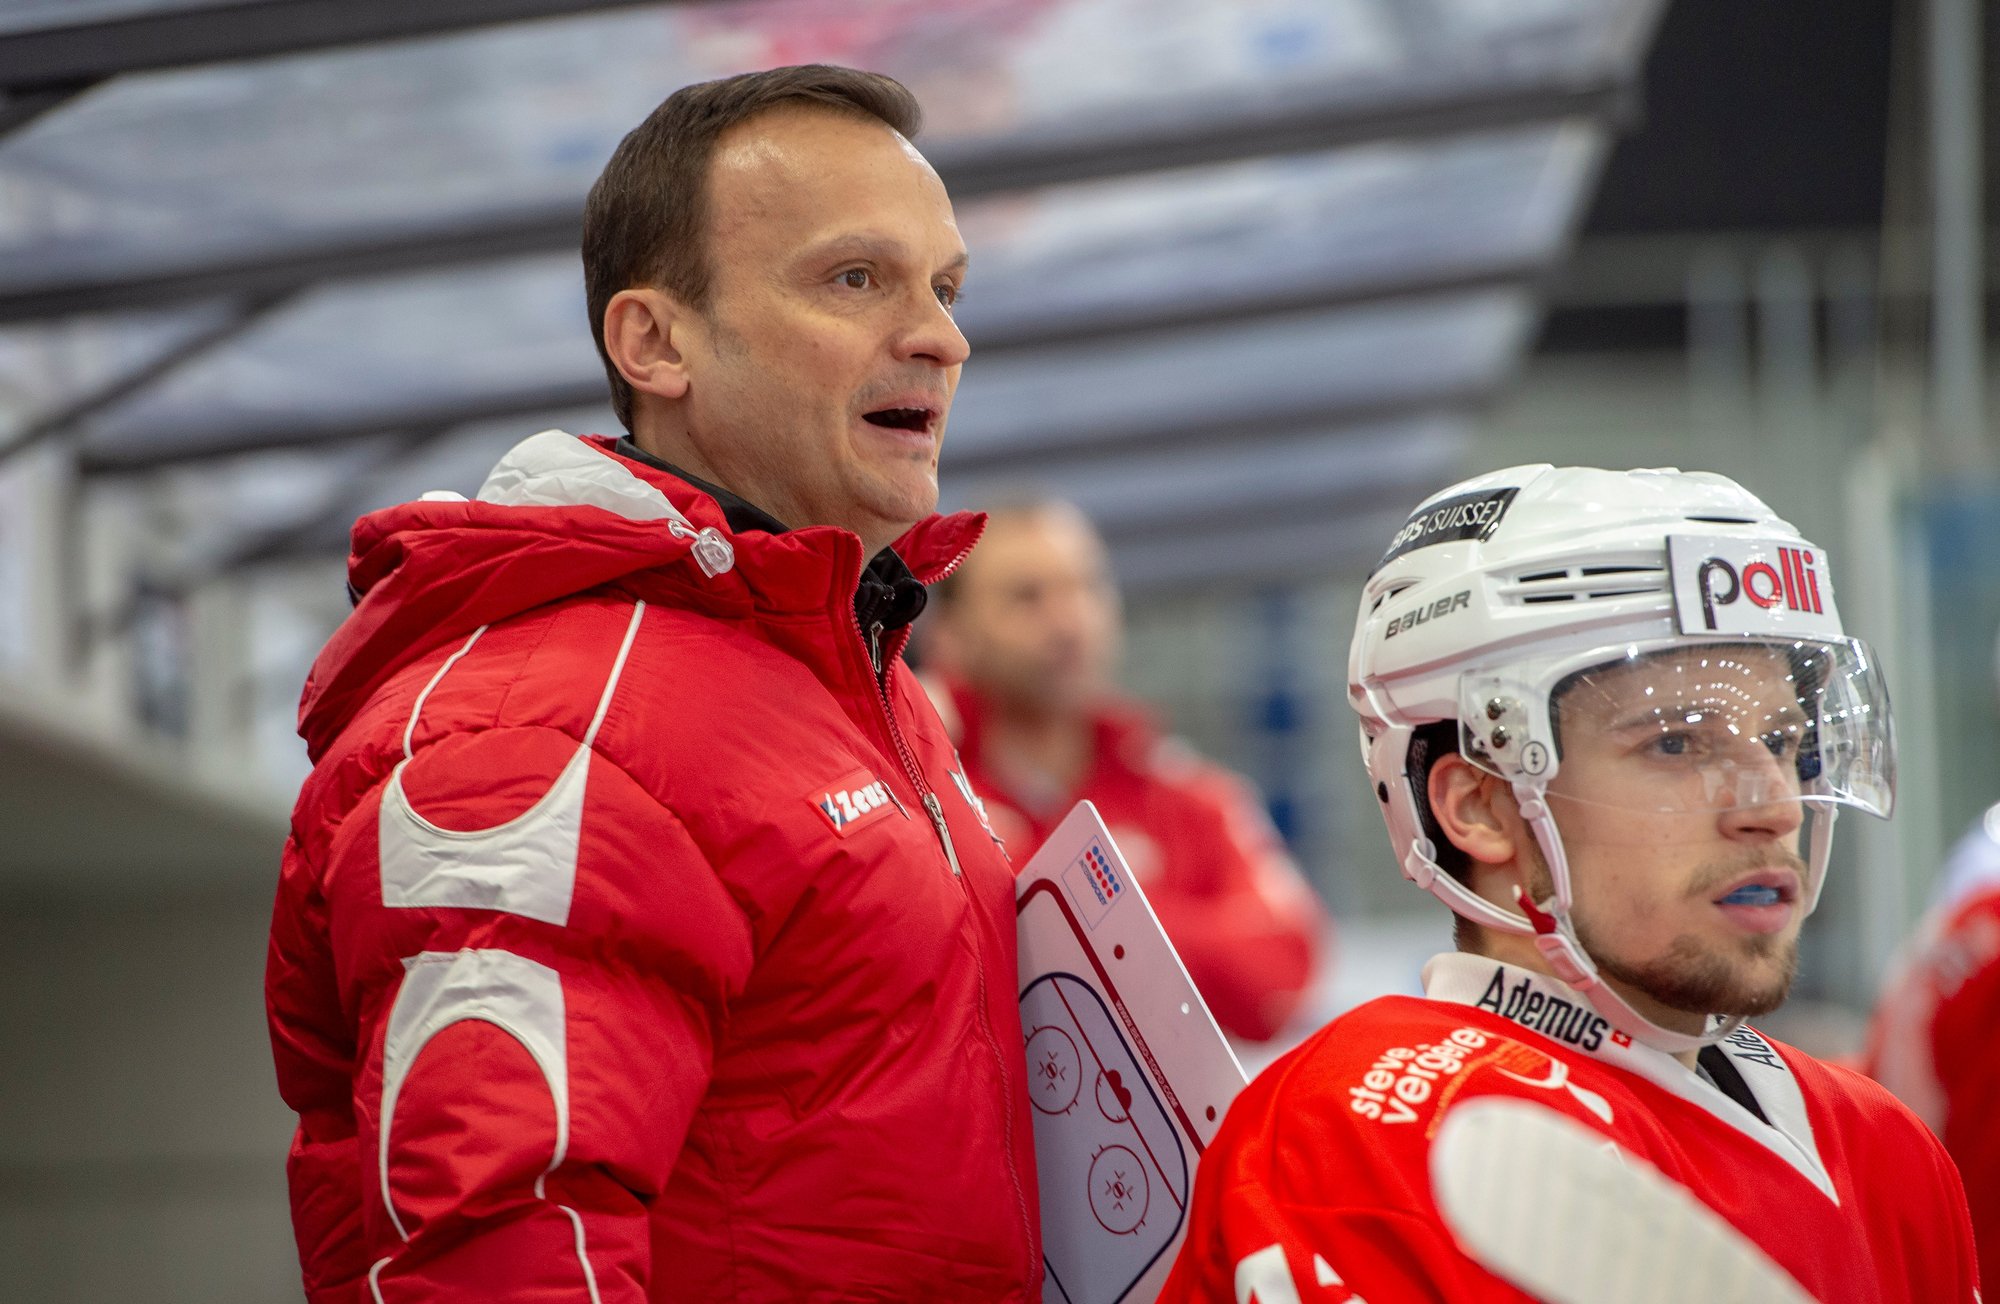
x,y
1128,1075
1118,1154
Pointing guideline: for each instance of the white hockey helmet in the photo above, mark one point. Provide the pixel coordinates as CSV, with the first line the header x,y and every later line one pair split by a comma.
x,y
1514,599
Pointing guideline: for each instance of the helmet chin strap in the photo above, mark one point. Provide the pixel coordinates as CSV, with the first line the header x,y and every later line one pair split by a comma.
x,y
1555,938
1420,867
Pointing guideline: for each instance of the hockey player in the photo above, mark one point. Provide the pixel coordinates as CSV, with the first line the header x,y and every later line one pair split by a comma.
x,y
1609,717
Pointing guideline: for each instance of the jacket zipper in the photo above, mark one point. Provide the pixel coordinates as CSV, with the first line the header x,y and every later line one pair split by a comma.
x,y
943,831
872,639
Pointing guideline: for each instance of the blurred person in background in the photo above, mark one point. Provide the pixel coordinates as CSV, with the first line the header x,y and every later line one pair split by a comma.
x,y
632,943
1935,1038
1609,717
1018,654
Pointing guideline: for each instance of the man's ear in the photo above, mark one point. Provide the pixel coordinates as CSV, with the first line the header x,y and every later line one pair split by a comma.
x,y
644,329
1475,810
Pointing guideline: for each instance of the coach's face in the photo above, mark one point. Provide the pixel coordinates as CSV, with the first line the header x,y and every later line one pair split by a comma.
x,y
822,370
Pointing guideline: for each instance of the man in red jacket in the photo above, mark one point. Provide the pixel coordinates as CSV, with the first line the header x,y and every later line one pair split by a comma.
x,y
1609,717
1933,1039
633,941
1023,637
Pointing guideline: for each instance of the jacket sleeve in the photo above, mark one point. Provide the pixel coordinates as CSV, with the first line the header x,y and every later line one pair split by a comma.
x,y
1246,924
1967,1055
528,974
1931,1043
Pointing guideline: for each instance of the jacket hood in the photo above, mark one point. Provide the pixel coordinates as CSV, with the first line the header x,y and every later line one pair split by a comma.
x,y
556,517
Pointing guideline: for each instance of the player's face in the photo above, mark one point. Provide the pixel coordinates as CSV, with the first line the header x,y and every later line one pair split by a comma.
x,y
1036,619
822,373
1678,805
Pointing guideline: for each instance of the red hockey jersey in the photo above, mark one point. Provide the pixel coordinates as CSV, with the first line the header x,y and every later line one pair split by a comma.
x,y
1320,1184
1935,1042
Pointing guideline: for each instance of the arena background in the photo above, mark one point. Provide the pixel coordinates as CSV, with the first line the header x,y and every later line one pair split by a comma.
x,y
1252,277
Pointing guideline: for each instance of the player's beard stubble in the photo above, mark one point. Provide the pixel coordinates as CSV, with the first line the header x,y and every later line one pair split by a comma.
x,y
1744,976
1700,980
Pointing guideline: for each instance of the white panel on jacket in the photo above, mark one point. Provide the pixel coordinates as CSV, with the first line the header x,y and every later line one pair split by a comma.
x,y
556,469
526,866
513,993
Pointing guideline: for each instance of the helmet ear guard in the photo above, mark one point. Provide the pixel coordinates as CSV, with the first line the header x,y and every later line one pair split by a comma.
x,y
1387,753
1505,729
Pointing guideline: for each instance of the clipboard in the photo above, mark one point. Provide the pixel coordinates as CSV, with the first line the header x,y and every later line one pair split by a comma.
x,y
1128,1074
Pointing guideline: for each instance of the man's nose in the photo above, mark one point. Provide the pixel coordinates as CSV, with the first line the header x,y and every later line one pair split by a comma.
x,y
1764,795
1068,607
932,335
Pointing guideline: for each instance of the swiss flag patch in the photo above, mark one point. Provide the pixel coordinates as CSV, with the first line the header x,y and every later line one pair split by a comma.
x,y
855,799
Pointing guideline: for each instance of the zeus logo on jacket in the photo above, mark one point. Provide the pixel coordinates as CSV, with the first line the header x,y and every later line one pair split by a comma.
x,y
854,799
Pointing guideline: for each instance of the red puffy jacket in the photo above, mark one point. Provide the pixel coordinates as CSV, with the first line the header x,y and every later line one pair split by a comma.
x,y
632,942
1933,1040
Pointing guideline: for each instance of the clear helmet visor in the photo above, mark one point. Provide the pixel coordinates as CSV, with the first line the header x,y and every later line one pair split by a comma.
x,y
1690,727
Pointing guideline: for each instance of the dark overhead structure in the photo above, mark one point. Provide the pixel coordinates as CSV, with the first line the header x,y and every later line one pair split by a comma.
x,y
1215,252
239,316
1306,127
1761,121
56,57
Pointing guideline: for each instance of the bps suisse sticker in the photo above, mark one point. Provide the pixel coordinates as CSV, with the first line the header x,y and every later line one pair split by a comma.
x,y
1463,516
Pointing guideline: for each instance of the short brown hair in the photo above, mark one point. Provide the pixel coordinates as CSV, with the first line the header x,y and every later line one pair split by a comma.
x,y
646,220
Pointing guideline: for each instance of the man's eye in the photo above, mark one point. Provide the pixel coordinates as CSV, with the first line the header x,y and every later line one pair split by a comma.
x,y
857,278
1782,744
947,294
1671,744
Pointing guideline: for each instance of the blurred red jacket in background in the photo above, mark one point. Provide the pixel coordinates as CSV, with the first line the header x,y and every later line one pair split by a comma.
x,y
1935,1041
1243,918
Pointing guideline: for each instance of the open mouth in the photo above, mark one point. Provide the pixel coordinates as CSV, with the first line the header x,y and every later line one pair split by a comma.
x,y
1761,892
900,418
